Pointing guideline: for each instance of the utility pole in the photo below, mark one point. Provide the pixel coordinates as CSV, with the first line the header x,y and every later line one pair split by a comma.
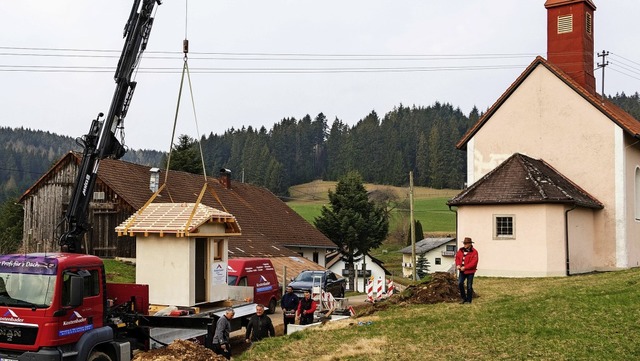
x,y
412,227
603,55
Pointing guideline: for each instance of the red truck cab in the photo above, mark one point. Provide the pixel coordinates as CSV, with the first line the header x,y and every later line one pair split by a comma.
x,y
259,274
52,306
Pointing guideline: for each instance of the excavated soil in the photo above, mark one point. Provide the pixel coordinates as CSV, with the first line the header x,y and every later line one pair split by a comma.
x,y
180,351
442,287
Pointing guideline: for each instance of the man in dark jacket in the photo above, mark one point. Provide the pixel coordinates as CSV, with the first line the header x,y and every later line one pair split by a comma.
x,y
220,340
260,326
306,309
467,264
289,304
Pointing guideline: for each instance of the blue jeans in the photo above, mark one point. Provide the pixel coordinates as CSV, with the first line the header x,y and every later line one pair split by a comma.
x,y
468,295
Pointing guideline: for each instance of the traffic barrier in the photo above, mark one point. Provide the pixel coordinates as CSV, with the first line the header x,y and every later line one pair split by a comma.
x,y
328,301
390,288
379,289
370,291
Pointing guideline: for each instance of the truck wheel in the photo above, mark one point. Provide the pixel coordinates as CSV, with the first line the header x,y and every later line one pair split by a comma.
x,y
99,356
272,306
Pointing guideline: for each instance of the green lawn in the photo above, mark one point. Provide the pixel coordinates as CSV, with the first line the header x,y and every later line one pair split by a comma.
x,y
433,213
589,317
119,272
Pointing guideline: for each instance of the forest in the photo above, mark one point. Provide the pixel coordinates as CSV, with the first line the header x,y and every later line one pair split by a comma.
x,y
383,149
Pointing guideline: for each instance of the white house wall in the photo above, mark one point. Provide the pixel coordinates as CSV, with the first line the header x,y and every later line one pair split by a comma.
x,y
308,254
446,262
537,249
376,271
581,240
632,157
545,119
164,264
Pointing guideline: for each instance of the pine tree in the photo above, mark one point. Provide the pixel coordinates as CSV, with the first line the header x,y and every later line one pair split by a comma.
x,y
422,266
355,224
11,220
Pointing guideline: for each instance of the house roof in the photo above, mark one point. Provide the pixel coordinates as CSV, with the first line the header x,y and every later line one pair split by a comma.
x,y
623,119
294,265
553,3
427,245
333,258
180,219
521,179
268,224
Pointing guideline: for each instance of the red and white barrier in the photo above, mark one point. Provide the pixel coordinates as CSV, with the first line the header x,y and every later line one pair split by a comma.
x,y
328,301
370,291
390,288
379,289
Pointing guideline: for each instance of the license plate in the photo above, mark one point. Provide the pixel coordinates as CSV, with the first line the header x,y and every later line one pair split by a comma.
x,y
8,359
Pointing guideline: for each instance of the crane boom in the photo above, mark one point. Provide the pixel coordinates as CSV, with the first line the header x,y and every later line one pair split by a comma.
x,y
101,141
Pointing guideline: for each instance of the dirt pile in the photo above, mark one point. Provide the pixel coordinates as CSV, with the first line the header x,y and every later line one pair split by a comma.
x,y
180,351
442,287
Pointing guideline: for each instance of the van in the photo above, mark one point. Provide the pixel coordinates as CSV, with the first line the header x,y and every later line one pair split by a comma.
x,y
259,274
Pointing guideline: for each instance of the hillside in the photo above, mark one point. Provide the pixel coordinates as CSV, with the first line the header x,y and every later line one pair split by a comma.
x,y
26,154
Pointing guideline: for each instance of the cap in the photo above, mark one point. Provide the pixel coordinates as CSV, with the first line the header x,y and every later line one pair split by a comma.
x,y
467,240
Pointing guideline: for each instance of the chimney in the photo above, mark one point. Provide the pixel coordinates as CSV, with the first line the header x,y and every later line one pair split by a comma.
x,y
154,179
570,39
225,178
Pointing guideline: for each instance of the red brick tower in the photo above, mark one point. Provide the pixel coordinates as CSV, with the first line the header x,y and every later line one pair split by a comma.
x,y
570,39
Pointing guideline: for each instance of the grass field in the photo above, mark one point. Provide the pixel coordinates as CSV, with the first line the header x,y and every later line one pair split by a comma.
x,y
429,206
589,317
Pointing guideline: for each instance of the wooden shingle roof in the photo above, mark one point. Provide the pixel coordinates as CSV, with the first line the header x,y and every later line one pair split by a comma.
x,y
523,180
623,119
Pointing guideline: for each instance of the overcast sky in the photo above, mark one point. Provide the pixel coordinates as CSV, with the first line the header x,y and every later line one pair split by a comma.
x,y
254,62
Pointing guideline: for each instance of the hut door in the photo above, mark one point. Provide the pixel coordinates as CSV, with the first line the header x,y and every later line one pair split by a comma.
x,y
201,270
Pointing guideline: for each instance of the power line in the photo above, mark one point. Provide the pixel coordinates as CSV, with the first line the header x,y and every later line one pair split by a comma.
x,y
206,70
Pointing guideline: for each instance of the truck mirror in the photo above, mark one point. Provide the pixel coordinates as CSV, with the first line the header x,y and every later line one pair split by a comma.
x,y
77,291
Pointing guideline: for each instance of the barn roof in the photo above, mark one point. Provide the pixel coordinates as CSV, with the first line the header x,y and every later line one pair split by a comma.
x,y
520,180
268,224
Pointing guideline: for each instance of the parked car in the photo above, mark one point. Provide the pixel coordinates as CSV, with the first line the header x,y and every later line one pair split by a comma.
x,y
327,280
259,274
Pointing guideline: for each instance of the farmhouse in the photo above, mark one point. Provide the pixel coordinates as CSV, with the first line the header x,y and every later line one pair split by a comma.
x,y
366,267
553,166
439,252
269,228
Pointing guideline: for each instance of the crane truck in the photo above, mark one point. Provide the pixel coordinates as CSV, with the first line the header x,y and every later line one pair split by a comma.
x,y
58,306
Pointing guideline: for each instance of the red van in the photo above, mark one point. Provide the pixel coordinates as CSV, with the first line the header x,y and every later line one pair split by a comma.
x,y
259,274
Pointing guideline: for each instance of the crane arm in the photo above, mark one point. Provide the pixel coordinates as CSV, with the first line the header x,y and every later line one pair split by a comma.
x,y
101,141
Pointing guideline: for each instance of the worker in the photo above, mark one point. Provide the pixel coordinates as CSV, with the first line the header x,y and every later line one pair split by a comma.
x,y
467,265
260,326
220,340
306,309
289,304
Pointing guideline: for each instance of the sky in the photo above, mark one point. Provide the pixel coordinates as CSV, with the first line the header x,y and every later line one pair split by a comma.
x,y
255,62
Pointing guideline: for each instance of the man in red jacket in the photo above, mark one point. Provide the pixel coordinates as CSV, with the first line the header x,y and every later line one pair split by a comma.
x,y
466,263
